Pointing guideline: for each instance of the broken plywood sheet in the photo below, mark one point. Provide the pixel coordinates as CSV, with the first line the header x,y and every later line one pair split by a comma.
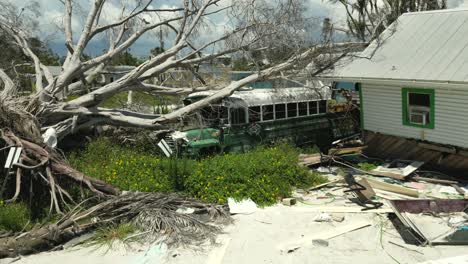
x,y
412,214
396,168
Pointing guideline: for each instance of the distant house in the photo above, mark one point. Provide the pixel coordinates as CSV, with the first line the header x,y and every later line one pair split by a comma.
x,y
108,75
413,89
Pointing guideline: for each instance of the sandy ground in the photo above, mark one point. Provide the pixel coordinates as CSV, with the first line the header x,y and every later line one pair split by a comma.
x,y
255,238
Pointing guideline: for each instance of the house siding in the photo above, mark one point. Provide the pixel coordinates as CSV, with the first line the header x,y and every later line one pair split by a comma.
x,y
382,113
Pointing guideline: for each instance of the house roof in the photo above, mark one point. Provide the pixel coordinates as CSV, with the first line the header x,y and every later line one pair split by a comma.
x,y
425,46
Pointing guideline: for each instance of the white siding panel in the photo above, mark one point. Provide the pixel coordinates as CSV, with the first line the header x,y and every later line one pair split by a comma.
x,y
382,106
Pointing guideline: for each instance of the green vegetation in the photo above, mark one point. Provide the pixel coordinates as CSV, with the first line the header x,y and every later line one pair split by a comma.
x,y
107,235
365,166
14,217
264,174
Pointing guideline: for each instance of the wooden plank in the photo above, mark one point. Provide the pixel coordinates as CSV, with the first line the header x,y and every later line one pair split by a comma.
x,y
324,185
387,174
310,159
334,232
437,148
342,151
392,188
431,180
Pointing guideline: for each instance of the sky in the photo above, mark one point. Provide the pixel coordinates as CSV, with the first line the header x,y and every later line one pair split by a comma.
x,y
51,16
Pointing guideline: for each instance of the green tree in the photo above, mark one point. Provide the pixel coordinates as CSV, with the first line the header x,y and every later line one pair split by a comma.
x,y
126,58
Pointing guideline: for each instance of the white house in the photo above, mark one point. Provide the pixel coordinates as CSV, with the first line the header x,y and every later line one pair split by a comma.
x,y
413,84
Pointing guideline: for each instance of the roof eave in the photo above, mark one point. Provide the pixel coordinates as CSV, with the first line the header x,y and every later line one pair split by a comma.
x,y
435,83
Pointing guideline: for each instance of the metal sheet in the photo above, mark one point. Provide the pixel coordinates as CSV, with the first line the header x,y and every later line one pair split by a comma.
x,y
425,46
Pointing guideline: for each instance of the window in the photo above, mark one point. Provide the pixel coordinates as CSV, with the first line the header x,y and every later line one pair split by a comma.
x,y
237,116
302,108
323,107
280,111
254,114
267,112
292,110
313,108
418,107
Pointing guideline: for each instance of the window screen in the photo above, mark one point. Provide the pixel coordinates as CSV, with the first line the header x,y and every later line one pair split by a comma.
x,y
323,106
302,108
254,114
267,111
280,111
237,116
292,110
313,108
419,99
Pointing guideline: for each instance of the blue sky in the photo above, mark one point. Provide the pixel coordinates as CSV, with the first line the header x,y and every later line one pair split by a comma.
x,y
52,13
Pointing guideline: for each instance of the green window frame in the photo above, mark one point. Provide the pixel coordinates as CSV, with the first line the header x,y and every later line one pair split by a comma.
x,y
405,104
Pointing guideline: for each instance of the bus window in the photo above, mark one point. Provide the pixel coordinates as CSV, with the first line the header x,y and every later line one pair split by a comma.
x,y
323,107
237,116
313,109
254,114
302,108
292,110
267,111
223,114
280,111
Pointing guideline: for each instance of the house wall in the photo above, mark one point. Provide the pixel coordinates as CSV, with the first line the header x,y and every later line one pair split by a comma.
x,y
382,112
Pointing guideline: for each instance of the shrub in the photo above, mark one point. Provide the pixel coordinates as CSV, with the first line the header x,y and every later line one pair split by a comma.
x,y
13,216
130,168
264,175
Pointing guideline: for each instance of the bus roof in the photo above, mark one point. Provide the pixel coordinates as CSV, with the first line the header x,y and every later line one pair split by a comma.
x,y
257,97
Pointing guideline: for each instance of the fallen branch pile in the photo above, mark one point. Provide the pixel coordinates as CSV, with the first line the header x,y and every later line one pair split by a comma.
x,y
44,170
155,212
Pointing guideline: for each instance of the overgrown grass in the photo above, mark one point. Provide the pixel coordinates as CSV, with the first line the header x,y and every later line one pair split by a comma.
x,y
108,235
264,174
13,217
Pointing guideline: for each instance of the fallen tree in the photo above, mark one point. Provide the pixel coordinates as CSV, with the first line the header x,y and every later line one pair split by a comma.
x,y
65,103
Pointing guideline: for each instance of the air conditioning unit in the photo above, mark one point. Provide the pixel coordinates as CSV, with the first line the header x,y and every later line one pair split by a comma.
x,y
418,116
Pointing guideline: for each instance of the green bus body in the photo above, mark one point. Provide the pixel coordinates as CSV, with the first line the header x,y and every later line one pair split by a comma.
x,y
315,127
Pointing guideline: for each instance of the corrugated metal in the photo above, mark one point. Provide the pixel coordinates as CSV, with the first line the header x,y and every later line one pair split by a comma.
x,y
272,96
383,114
426,46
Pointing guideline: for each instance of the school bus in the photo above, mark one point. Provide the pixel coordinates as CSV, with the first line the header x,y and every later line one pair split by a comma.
x,y
255,116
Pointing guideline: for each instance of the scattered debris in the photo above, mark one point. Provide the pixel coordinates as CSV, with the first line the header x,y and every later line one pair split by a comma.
x,y
289,201
309,160
320,242
338,217
342,151
341,209
392,188
428,221
454,260
325,184
323,217
340,230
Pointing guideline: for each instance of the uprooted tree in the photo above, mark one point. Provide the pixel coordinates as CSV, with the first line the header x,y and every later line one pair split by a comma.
x,y
67,103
